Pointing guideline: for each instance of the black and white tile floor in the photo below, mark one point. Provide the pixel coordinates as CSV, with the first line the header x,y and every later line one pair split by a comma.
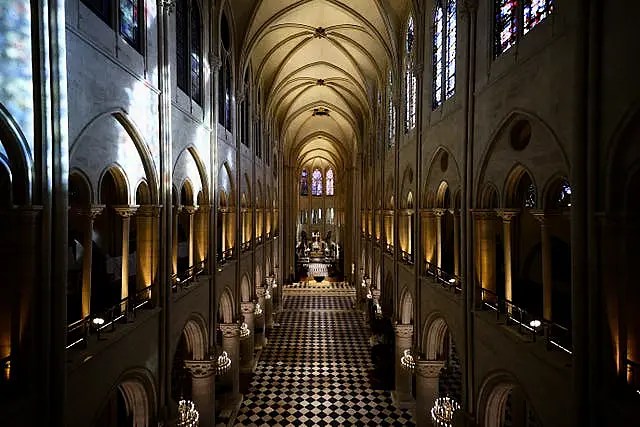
x,y
315,371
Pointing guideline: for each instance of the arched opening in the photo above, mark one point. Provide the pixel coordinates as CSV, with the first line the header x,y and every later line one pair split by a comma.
x,y
504,403
130,404
447,223
185,227
191,346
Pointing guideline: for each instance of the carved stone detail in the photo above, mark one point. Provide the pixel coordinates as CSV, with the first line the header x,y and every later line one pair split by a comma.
x,y
247,307
200,368
404,331
126,211
429,368
230,330
91,211
149,211
507,214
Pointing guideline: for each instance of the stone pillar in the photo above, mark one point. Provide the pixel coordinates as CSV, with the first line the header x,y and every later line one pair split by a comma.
x,y
427,376
247,345
190,213
231,344
89,214
262,321
402,397
268,312
202,233
203,389
174,243
126,212
547,278
439,213
456,241
146,244
259,339
507,216
485,249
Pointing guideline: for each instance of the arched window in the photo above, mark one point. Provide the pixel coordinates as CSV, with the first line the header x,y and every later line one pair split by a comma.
x,y
130,23
329,182
513,19
224,76
316,183
410,78
391,114
188,49
444,51
304,183
563,198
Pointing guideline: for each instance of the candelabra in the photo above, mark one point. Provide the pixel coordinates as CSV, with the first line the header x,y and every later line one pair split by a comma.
x,y
407,360
188,416
223,364
443,411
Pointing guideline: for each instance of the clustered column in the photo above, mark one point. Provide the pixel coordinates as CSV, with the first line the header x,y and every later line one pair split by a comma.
x,y
402,392
427,376
203,389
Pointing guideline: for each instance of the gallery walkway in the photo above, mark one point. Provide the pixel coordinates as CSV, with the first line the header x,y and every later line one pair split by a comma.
x,y
315,370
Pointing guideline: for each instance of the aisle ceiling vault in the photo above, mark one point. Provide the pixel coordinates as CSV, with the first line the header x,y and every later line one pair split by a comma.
x,y
320,63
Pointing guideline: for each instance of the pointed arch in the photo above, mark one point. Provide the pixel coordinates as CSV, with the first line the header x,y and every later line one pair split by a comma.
x,y
245,288
406,307
226,307
16,155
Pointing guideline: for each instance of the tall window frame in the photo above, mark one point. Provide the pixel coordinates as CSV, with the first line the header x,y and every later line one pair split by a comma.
x,y
329,182
444,45
316,182
411,81
189,49
304,183
391,113
513,19
225,96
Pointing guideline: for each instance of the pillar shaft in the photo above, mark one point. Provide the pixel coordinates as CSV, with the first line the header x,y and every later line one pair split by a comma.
x,y
203,389
231,344
507,217
402,392
146,245
89,214
439,215
456,242
547,278
248,344
485,253
427,377
125,212
174,242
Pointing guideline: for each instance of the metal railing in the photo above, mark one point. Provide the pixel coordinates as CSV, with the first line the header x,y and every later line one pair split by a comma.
x,y
407,257
184,279
246,246
225,255
388,248
556,336
78,332
443,278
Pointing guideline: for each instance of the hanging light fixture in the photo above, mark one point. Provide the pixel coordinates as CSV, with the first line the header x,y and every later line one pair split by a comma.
x,y
258,310
407,360
443,411
244,330
188,416
223,363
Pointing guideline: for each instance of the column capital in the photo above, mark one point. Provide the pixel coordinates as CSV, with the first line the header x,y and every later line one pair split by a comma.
x,y
429,368
483,213
149,211
126,211
544,217
169,5
454,212
439,211
248,307
230,330
260,291
189,210
200,368
404,331
214,61
89,211
507,214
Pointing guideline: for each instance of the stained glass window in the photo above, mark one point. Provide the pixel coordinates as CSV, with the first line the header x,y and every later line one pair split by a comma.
x,y
316,183
530,197
506,25
227,94
130,22
438,55
452,34
392,114
410,79
182,37
102,8
534,12
304,183
445,40
196,53
329,182
564,195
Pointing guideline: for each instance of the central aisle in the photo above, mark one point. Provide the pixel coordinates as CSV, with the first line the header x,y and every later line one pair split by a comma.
x,y
315,370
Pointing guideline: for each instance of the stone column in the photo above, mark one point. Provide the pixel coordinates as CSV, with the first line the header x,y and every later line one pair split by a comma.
x,y
190,213
262,322
547,277
456,241
259,339
231,344
268,312
439,213
126,212
507,216
247,345
402,397
89,214
203,389
485,249
427,376
202,233
147,249
174,243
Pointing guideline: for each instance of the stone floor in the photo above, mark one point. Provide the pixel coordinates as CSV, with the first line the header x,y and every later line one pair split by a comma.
x,y
316,370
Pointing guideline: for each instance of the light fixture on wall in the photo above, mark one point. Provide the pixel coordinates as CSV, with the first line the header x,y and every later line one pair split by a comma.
x,y
443,411
258,310
223,364
244,330
188,416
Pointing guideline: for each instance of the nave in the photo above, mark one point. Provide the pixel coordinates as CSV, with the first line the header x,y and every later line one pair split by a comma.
x,y
316,370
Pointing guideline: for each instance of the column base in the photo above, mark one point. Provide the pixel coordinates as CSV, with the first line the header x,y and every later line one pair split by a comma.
x,y
402,400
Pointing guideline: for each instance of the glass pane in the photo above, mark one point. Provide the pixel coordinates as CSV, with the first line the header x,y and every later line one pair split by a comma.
x,y
438,56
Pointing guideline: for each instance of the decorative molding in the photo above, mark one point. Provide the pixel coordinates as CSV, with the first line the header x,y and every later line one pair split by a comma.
x,y
230,330
248,307
189,210
404,331
201,368
91,211
483,213
507,214
429,368
439,211
126,211
320,33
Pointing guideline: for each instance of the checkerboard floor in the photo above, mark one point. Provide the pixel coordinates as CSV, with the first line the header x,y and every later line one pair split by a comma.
x,y
315,371
312,284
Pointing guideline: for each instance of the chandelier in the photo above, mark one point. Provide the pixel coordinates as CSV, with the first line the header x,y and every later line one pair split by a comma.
x,y
223,364
188,416
258,310
443,411
407,360
244,330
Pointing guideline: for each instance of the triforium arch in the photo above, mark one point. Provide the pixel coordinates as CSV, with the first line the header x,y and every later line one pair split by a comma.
x,y
226,307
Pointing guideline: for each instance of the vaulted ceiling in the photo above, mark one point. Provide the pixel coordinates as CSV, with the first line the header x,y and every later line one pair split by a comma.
x,y
319,63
